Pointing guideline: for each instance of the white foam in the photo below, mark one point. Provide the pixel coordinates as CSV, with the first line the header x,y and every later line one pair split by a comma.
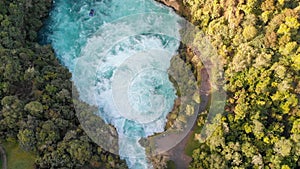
x,y
108,44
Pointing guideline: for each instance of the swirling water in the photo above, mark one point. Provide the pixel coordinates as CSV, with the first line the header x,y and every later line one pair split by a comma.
x,y
80,44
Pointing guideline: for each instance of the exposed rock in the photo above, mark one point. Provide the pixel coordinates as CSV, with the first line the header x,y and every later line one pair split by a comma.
x,y
171,3
178,6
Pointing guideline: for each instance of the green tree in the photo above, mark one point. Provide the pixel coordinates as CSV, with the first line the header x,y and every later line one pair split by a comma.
x,y
35,108
12,113
27,139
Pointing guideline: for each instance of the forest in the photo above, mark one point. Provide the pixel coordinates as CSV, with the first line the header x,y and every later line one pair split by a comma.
x,y
258,42
36,107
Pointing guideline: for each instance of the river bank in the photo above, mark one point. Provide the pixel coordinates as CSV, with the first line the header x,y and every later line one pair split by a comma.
x,y
178,154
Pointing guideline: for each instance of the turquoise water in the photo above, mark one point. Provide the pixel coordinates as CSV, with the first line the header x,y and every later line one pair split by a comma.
x,y
119,60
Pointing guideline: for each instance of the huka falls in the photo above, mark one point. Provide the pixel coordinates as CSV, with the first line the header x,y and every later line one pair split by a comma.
x,y
149,84
119,53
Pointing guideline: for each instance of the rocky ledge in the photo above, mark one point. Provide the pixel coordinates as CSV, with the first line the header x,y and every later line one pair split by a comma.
x,y
178,7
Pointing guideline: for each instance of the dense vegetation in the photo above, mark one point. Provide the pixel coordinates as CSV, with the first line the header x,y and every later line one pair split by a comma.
x,y
36,107
259,45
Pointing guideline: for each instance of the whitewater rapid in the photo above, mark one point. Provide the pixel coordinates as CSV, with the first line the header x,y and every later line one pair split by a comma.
x,y
119,60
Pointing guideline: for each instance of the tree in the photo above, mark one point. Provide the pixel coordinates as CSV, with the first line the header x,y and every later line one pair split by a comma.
x,y
35,108
12,112
249,32
49,134
283,147
27,139
80,151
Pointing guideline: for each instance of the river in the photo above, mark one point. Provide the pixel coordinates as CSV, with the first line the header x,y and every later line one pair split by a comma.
x,y
119,59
